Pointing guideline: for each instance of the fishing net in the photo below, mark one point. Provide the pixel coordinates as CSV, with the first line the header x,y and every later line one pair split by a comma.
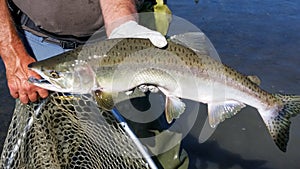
x,y
68,131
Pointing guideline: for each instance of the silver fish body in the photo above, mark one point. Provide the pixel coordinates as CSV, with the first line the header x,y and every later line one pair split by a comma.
x,y
120,65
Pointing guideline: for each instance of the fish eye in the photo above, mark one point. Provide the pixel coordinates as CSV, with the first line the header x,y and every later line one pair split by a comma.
x,y
54,74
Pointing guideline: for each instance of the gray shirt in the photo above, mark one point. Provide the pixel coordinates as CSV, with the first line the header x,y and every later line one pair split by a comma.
x,y
64,17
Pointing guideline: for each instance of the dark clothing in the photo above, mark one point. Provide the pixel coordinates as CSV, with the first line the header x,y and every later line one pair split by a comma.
x,y
64,17
68,23
79,18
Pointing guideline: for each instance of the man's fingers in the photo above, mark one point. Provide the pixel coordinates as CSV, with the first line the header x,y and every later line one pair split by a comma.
x,y
43,93
26,92
158,41
13,90
15,95
33,96
132,29
35,92
24,98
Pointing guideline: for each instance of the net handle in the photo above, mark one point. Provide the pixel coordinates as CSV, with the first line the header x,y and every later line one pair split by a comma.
x,y
136,141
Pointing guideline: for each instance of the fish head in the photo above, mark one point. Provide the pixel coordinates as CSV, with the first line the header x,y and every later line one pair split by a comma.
x,y
70,76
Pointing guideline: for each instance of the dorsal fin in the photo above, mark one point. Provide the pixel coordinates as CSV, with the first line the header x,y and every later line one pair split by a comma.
x,y
198,42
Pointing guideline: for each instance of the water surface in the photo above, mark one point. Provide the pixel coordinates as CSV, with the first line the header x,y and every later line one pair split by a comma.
x,y
257,38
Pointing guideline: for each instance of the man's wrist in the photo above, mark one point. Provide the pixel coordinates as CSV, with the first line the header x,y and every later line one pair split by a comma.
x,y
117,12
12,53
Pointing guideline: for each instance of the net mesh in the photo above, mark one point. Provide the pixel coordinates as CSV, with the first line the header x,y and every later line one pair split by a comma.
x,y
68,131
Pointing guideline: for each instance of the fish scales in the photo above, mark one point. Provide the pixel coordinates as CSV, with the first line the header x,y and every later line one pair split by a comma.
x,y
201,63
119,65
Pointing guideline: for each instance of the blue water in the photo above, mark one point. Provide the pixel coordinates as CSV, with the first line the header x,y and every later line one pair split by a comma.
x,y
257,38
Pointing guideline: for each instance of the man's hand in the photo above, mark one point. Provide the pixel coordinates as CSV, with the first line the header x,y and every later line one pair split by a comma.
x,y
17,79
132,29
16,60
120,22
17,74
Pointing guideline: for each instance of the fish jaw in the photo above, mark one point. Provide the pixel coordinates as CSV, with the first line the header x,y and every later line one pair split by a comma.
x,y
46,85
79,80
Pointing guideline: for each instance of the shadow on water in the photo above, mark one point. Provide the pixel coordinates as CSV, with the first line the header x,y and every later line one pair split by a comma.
x,y
212,152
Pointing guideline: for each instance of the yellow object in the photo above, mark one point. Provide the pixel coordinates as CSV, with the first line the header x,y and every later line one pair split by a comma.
x,y
163,17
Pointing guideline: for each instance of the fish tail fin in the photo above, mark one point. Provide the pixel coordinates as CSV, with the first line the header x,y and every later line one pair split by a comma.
x,y
278,120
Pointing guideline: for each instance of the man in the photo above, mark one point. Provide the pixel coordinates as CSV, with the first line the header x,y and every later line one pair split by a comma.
x,y
46,28
62,19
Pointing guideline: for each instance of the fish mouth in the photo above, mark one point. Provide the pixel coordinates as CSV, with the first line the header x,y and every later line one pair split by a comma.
x,y
38,81
45,84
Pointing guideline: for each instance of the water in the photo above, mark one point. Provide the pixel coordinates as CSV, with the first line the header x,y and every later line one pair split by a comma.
x,y
256,38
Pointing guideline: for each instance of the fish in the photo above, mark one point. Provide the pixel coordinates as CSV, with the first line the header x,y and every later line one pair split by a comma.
x,y
184,69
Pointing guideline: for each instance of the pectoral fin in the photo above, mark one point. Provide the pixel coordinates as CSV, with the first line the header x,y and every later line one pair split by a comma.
x,y
218,112
104,100
174,108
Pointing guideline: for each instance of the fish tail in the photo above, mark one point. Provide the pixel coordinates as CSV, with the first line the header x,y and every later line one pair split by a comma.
x,y
278,120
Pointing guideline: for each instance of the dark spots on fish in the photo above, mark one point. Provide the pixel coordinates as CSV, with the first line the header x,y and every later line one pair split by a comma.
x,y
115,60
247,83
182,59
175,48
130,47
186,55
251,87
135,47
228,70
180,50
269,98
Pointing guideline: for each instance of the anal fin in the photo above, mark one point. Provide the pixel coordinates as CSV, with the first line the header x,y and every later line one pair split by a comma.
x,y
218,112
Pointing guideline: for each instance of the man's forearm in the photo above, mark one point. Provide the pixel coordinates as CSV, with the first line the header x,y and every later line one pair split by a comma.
x,y
9,38
117,12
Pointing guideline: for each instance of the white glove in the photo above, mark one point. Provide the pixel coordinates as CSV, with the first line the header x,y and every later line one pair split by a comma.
x,y
132,29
